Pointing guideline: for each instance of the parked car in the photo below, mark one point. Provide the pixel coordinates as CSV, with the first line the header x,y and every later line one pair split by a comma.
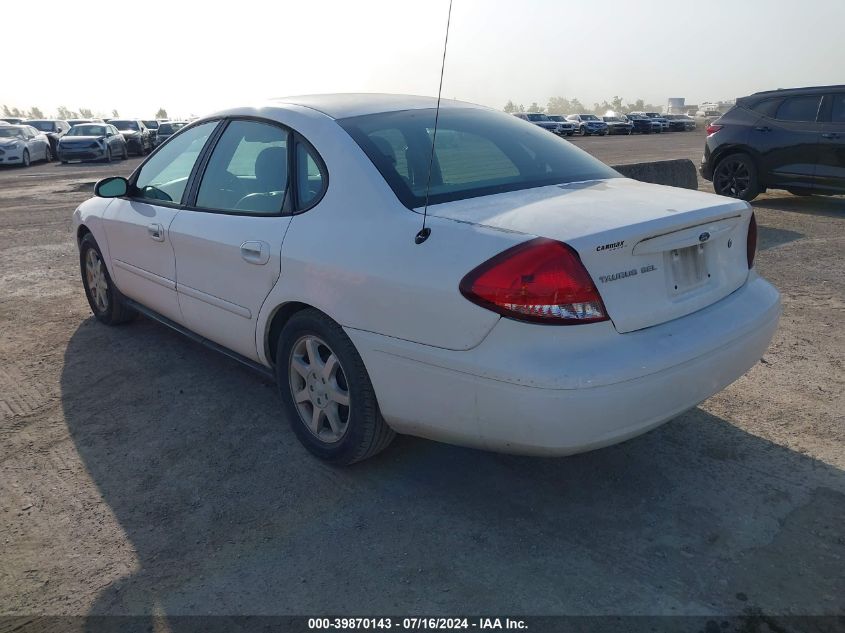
x,y
662,120
53,128
617,125
589,124
12,120
539,119
680,122
564,126
2,122
536,304
135,133
92,141
22,144
642,124
167,129
781,139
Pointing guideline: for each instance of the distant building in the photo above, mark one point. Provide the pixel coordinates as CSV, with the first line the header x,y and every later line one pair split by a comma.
x,y
676,105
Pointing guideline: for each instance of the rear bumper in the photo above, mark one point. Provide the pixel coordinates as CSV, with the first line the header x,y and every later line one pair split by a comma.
x,y
556,391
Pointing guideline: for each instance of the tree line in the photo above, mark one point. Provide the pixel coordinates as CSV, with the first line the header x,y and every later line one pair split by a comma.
x,y
562,105
66,113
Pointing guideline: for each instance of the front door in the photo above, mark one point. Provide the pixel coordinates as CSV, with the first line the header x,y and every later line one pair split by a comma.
x,y
228,241
138,226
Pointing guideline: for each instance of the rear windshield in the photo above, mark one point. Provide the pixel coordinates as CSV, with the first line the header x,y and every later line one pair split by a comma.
x,y
477,152
151,124
43,126
126,125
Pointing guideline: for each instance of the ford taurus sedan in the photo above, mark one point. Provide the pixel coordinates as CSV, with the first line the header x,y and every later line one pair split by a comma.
x,y
549,306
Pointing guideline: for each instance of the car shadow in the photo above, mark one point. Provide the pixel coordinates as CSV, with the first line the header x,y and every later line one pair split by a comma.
x,y
227,514
824,206
769,237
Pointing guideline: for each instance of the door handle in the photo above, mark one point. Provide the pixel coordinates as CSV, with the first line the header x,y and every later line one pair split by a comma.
x,y
763,128
830,135
156,232
255,252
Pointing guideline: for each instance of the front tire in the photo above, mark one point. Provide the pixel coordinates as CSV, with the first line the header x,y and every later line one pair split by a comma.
x,y
25,161
583,131
326,392
735,176
106,301
125,152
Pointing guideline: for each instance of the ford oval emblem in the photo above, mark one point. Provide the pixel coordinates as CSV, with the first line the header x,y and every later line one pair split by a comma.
x,y
704,237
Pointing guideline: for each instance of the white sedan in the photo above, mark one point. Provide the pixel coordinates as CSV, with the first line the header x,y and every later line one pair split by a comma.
x,y
22,144
551,306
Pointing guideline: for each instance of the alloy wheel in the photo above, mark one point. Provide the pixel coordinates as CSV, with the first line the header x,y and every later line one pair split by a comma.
x,y
732,178
319,388
95,275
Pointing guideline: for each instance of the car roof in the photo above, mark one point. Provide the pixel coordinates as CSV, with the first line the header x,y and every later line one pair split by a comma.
x,y
341,106
807,90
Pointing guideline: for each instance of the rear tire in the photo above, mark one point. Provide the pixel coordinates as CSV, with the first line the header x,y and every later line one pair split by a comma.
x,y
735,176
313,396
106,301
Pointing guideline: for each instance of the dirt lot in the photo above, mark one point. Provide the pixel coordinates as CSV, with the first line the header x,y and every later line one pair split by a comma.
x,y
142,474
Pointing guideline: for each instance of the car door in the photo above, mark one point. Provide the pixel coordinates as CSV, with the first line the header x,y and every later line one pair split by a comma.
x,y
228,241
115,141
137,226
830,168
788,141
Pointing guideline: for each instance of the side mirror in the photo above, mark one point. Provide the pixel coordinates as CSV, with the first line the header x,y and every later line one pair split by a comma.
x,y
113,187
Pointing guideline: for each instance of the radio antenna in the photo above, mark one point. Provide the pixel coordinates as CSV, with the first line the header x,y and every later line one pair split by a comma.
x,y
422,236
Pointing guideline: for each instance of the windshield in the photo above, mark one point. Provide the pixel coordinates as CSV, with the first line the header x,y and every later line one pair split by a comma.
x,y
477,153
555,117
126,125
15,132
87,130
151,124
73,122
589,117
43,126
537,117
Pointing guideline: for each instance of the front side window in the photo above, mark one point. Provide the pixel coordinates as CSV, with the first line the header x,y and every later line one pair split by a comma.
x,y
247,171
165,175
477,152
799,109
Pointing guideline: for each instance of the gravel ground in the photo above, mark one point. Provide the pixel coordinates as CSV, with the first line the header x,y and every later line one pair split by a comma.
x,y
143,474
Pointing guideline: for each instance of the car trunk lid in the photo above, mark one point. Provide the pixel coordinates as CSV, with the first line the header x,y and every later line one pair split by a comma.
x,y
655,253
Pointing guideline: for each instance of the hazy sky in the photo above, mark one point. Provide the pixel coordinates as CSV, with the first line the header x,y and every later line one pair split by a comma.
x,y
193,57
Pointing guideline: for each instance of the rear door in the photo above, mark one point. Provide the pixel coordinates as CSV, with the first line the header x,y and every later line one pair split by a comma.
x,y
138,226
830,169
228,241
788,141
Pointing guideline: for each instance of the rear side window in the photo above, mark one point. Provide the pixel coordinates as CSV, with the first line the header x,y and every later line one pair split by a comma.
x,y
248,170
767,107
164,176
311,181
837,114
798,109
477,152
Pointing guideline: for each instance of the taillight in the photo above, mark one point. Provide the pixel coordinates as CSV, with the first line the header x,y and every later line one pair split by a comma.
x,y
541,281
713,128
752,241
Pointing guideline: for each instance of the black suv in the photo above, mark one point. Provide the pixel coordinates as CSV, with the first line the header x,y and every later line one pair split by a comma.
x,y
781,139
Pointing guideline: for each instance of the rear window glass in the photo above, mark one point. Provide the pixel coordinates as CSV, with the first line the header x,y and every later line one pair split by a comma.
x,y
799,109
477,152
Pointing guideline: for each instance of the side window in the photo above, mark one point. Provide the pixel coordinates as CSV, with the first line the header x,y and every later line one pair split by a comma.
x,y
310,179
837,113
165,174
247,171
798,109
767,107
